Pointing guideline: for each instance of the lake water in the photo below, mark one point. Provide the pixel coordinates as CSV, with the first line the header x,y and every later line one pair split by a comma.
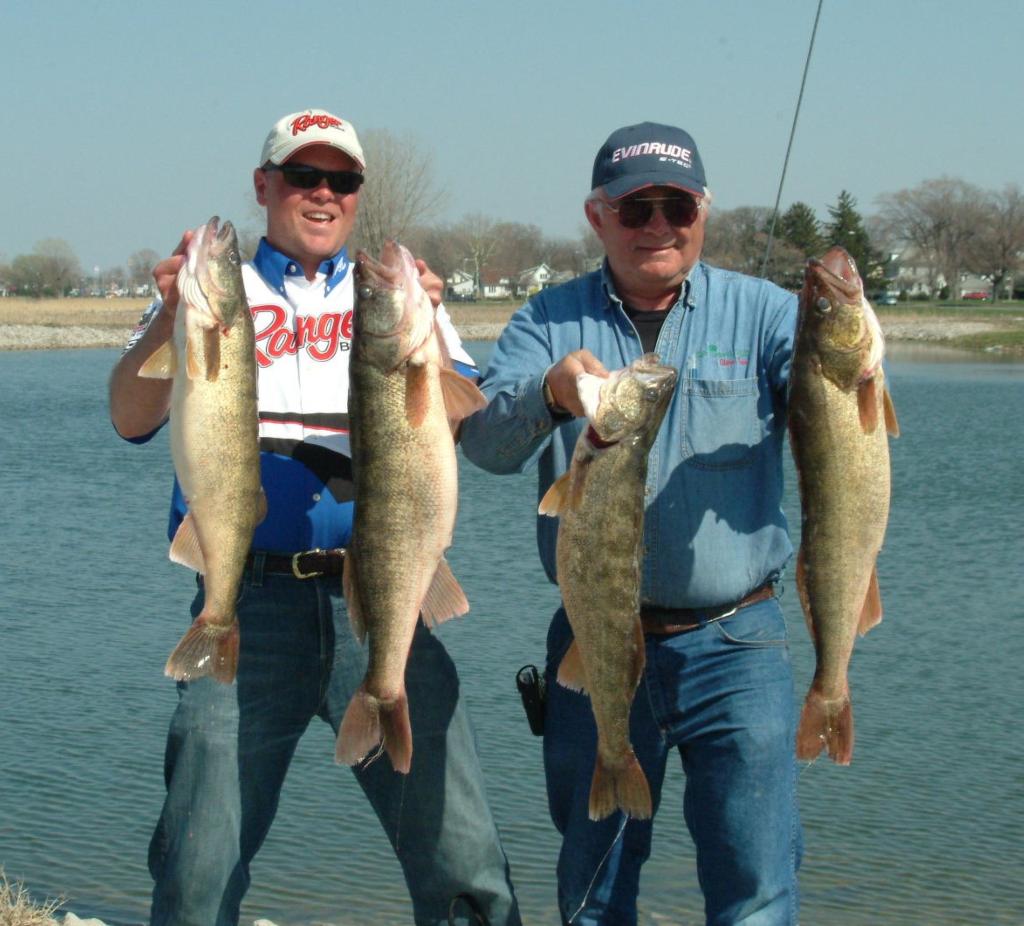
x,y
924,828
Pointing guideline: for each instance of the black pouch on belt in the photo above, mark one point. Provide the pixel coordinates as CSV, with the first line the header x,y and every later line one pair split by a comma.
x,y
531,686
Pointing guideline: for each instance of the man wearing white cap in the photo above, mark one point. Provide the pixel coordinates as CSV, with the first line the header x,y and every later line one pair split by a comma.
x,y
229,746
716,685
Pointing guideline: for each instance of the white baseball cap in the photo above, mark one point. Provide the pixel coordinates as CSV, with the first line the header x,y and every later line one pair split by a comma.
x,y
311,127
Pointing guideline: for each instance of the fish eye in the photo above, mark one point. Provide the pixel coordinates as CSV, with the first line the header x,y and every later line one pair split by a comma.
x,y
365,292
823,305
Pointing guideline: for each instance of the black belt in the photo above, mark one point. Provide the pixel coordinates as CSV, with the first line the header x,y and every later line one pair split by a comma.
x,y
309,564
680,620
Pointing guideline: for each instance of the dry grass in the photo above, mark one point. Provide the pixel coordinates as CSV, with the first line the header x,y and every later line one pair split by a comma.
x,y
18,909
20,310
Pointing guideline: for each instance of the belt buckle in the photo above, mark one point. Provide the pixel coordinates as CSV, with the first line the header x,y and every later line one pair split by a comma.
x,y
298,573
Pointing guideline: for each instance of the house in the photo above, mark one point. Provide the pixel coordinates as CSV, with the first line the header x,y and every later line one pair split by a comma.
x,y
495,286
459,286
533,280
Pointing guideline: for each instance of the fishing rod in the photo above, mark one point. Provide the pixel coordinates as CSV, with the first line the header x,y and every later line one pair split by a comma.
x,y
789,147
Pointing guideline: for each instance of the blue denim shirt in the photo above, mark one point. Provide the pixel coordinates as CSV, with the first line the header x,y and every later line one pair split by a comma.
x,y
714,528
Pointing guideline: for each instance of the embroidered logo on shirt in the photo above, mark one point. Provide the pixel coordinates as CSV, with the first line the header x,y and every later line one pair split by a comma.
x,y
320,336
720,357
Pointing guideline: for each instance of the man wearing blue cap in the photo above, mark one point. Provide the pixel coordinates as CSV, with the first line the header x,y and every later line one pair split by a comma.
x,y
717,683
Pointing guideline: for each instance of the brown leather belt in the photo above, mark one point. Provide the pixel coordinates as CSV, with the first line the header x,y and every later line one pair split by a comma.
x,y
666,621
309,564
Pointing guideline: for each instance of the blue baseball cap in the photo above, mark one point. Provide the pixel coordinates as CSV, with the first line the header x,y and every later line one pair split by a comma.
x,y
648,154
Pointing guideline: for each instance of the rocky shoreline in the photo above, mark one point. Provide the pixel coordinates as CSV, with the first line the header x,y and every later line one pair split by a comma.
x,y
54,337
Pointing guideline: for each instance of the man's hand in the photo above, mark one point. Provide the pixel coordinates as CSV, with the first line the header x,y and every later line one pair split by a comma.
x,y
432,284
561,379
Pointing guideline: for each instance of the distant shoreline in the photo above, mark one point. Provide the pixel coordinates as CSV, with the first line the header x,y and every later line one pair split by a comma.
x,y
72,324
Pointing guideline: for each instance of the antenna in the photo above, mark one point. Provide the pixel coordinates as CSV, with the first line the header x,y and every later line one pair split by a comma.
x,y
789,147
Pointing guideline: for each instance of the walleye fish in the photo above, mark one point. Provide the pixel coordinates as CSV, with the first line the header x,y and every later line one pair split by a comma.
x,y
840,413
600,501
404,400
214,443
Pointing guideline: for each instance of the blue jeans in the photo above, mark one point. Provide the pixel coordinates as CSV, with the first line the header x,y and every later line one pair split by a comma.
x,y
723,696
229,748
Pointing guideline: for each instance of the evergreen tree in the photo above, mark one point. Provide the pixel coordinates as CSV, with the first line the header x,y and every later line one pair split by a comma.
x,y
799,227
847,230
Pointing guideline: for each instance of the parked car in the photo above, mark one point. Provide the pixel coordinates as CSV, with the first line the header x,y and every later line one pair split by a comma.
x,y
887,299
976,294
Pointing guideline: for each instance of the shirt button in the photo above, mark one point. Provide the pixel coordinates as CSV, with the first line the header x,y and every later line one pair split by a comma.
x,y
316,496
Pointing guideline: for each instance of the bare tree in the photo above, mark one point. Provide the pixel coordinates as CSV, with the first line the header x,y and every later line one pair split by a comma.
x,y
140,266
51,269
477,238
938,219
399,192
997,251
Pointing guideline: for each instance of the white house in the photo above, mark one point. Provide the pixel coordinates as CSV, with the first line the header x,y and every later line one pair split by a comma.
x,y
495,286
459,285
533,280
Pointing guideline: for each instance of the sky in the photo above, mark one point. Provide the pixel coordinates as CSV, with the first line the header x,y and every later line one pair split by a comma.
x,y
128,122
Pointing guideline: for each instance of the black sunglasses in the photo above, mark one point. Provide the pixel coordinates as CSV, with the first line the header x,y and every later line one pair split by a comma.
x,y
305,177
680,210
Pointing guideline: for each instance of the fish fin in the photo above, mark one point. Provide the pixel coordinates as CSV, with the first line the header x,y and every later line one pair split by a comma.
x,y
801,588
445,597
554,501
867,404
622,788
162,363
348,589
207,648
572,674
891,424
394,721
185,549
360,730
871,613
826,723
461,395
417,393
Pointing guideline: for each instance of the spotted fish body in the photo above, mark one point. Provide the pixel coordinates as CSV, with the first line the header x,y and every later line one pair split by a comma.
x,y
600,502
404,397
840,416
214,443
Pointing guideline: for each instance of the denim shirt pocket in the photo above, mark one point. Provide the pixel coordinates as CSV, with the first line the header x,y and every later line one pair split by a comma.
x,y
722,429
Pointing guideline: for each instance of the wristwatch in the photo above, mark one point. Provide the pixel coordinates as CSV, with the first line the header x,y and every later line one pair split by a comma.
x,y
556,410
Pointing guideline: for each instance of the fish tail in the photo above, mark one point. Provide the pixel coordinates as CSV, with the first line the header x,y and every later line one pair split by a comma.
x,y
208,647
622,787
368,720
360,732
826,723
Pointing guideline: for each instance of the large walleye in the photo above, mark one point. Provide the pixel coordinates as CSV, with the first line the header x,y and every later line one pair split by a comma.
x,y
403,402
600,502
214,443
839,415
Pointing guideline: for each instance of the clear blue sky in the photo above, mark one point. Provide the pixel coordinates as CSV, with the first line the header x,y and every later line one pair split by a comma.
x,y
128,121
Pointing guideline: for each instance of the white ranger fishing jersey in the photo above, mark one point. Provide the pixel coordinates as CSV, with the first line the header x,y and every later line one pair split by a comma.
x,y
303,339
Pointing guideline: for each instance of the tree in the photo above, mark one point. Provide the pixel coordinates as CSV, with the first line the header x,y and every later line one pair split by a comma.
x,y
799,227
937,219
476,238
140,266
848,231
997,250
736,239
399,191
50,270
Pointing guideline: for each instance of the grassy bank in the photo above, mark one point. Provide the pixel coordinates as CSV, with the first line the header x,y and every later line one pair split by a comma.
x,y
966,326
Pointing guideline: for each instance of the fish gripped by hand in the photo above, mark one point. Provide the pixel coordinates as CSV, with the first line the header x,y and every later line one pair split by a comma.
x,y
840,415
600,504
404,399
214,443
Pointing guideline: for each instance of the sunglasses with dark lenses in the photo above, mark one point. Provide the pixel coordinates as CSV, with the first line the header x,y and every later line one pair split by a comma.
x,y
305,177
680,210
